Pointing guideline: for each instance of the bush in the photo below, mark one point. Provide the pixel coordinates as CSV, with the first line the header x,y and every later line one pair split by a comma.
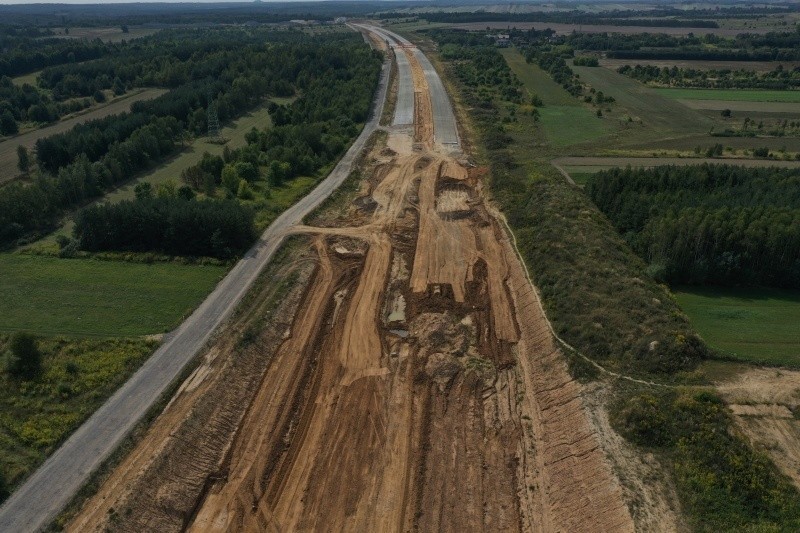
x,y
23,359
761,152
724,484
8,126
3,487
586,61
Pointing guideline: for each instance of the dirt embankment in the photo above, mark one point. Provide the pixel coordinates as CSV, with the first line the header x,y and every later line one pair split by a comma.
x,y
765,403
417,387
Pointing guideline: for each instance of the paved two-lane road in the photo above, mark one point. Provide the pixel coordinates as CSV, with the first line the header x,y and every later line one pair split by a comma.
x,y
45,493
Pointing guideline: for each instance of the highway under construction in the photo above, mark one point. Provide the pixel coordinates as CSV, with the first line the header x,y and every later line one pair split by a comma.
x,y
407,381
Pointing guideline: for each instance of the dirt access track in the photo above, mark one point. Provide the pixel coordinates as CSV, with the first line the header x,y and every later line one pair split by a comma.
x,y
415,386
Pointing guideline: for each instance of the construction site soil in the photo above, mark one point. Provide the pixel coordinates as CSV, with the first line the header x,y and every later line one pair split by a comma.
x,y
409,381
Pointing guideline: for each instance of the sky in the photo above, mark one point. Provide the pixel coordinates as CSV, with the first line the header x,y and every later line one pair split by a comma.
x,y
17,2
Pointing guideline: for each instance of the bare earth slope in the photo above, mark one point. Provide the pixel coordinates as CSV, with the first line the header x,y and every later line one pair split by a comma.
x,y
417,388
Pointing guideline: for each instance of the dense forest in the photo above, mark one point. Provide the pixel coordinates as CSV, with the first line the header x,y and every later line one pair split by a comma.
x,y
171,225
27,49
232,68
708,224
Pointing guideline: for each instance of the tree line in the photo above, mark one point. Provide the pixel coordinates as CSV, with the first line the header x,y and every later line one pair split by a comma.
x,y
171,225
708,224
612,17
772,46
778,78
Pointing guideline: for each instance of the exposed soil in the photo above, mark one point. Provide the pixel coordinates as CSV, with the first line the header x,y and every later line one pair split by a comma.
x,y
417,387
764,402
651,497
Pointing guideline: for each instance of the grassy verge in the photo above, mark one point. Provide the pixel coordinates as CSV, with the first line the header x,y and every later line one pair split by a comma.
x,y
86,297
77,376
756,325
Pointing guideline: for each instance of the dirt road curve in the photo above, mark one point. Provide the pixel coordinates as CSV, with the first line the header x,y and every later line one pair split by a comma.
x,y
417,386
51,487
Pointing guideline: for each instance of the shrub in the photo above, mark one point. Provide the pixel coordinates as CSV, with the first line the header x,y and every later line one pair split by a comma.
x,y
23,359
586,61
724,484
3,487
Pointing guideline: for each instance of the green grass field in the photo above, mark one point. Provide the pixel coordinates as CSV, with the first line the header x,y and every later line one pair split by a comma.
x,y
760,325
564,119
733,95
85,297
29,78
659,117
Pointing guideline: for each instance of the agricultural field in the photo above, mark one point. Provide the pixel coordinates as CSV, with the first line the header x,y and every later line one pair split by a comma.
x,y
564,119
757,66
88,297
728,95
784,109
580,167
652,115
751,324
567,29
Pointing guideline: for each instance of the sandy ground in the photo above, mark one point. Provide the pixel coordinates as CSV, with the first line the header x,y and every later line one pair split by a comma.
x,y
417,386
764,402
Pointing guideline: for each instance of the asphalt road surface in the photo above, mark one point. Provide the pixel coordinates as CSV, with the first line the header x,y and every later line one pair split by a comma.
x,y
50,488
